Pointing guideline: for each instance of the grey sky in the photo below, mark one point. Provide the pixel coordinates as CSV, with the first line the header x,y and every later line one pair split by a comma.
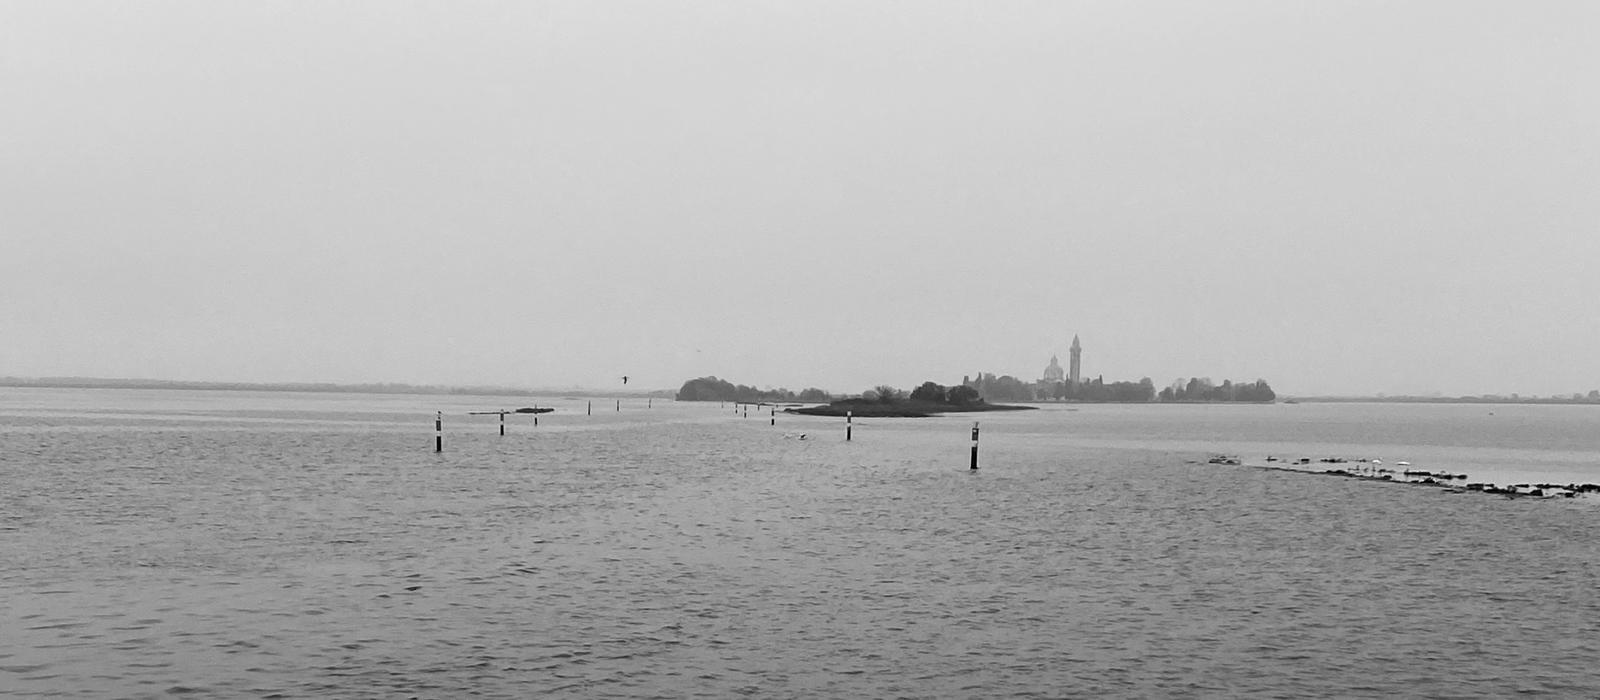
x,y
1346,197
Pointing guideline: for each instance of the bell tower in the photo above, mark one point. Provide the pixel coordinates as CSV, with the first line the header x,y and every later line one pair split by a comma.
x,y
1074,362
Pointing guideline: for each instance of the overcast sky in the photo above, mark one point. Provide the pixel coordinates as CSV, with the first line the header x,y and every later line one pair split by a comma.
x,y
1338,197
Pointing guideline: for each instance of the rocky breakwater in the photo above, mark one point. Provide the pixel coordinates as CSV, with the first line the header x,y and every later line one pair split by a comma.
x,y
1375,470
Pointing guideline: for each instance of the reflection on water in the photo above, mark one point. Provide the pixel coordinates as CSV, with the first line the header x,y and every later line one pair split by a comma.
x,y
233,544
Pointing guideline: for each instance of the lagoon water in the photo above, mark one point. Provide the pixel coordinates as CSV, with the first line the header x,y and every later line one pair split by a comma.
x,y
241,544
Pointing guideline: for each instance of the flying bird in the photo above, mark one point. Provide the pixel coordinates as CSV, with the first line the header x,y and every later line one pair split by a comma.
x,y
624,379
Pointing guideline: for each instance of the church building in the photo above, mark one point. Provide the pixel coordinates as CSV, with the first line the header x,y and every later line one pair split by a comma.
x,y
1074,372
1058,382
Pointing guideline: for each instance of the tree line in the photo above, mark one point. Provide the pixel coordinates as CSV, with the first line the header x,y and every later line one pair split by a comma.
x,y
1201,389
1009,388
714,389
986,387
938,393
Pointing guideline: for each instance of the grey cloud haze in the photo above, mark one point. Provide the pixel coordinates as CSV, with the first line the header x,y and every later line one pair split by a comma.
x,y
1348,197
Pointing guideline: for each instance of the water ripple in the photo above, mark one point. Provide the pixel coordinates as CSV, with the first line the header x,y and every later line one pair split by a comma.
x,y
698,556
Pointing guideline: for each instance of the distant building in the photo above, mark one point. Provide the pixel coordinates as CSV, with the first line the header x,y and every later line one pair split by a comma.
x,y
1062,383
1075,361
1054,374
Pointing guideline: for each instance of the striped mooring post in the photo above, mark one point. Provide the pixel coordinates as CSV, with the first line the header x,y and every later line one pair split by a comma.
x,y
438,431
503,424
774,415
847,420
974,446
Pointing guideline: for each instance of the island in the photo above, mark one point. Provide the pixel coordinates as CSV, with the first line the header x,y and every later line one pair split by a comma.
x,y
930,399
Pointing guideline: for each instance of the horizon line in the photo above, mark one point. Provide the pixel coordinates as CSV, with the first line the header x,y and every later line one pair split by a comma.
x,y
74,381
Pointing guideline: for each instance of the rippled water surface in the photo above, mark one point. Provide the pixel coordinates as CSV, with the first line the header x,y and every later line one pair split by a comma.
x,y
236,544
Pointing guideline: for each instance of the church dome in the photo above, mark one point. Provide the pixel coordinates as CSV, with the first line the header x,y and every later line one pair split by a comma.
x,y
1054,373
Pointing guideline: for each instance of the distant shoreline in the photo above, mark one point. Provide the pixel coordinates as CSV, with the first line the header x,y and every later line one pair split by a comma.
x,y
862,408
1076,402
1467,400
400,388
308,387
